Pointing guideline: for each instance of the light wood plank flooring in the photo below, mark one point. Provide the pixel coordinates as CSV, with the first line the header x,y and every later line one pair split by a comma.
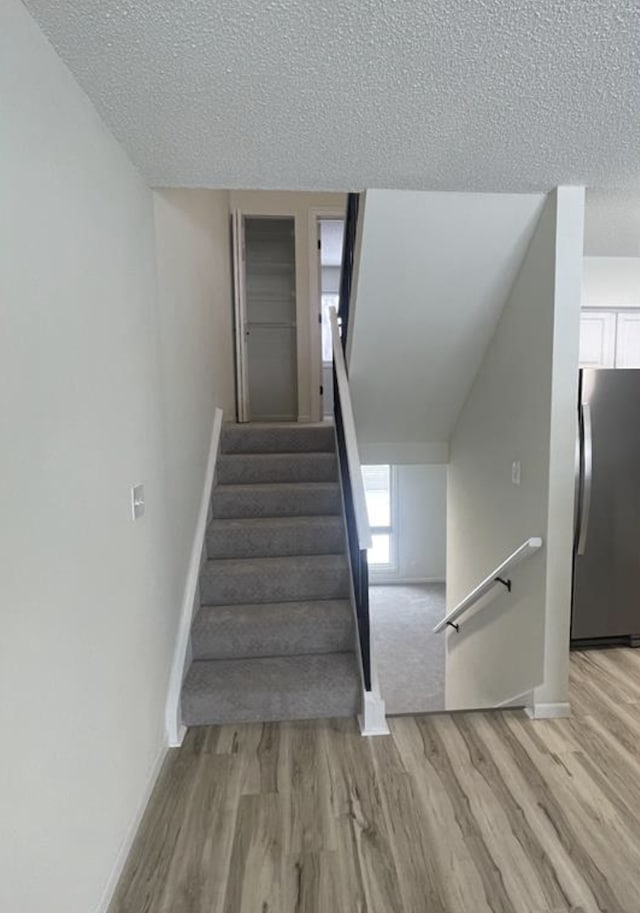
x,y
469,812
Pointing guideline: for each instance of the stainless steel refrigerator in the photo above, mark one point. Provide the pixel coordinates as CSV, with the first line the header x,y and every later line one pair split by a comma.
x,y
606,569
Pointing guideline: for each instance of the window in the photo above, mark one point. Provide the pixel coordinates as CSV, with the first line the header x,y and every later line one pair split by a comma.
x,y
377,488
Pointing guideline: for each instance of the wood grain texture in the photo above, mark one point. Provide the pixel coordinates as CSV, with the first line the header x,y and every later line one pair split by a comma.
x,y
477,812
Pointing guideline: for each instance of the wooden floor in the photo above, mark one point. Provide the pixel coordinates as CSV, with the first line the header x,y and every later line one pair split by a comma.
x,y
470,812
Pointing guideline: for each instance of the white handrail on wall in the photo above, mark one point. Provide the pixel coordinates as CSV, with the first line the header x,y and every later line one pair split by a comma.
x,y
351,441
496,577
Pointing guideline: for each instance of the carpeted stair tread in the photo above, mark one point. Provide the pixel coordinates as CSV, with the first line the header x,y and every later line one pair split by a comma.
x,y
277,499
246,468
271,688
232,581
273,629
275,536
274,637
275,438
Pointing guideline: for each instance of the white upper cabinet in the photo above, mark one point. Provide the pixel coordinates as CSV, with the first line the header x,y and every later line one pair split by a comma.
x,y
610,339
628,340
597,339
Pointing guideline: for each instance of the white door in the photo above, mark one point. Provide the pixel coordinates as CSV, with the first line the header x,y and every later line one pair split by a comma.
x,y
628,340
597,339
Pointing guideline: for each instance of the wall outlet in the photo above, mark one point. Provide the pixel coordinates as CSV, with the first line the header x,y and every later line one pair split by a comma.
x,y
515,472
137,501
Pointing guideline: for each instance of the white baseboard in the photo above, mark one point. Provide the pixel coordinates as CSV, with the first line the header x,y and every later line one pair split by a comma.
x,y
519,700
373,720
175,729
181,733
132,830
541,711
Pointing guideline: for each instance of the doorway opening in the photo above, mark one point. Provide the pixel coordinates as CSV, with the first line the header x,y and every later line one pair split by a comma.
x,y
265,318
406,505
330,237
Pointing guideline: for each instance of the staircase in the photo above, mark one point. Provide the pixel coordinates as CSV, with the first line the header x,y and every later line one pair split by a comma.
x,y
274,638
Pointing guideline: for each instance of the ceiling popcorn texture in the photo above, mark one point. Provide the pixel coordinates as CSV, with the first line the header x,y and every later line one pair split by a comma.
x,y
482,95
612,224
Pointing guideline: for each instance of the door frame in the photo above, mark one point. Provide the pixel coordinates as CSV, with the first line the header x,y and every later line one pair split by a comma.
x,y
239,314
238,215
316,215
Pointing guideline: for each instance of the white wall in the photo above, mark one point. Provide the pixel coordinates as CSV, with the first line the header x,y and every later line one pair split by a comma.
x,y
434,272
89,599
196,344
522,406
611,282
419,521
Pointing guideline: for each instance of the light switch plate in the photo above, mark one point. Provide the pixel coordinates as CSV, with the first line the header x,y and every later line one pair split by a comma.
x,y
137,501
515,472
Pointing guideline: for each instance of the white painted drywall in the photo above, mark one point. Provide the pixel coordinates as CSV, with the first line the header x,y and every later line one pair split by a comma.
x,y
89,360
522,406
419,525
611,282
434,272
552,696
301,206
612,223
196,344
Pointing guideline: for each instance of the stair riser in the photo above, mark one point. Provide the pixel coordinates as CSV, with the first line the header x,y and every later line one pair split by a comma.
x,y
216,712
269,542
242,469
232,588
274,503
295,439
213,710
226,640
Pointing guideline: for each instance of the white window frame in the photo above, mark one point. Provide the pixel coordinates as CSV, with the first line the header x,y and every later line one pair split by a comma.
x,y
392,529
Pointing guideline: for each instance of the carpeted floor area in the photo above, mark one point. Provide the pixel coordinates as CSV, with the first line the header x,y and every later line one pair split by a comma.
x,y
410,657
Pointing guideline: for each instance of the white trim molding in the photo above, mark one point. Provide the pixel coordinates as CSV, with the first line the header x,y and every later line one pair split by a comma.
x,y
373,719
518,700
546,711
173,722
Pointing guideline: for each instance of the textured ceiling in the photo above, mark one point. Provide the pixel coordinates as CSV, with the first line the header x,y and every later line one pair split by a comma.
x,y
435,94
612,224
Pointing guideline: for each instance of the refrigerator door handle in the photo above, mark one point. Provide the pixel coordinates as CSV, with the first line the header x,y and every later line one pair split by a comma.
x,y
587,475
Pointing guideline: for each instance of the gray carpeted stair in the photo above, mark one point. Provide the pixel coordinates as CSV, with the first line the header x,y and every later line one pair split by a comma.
x,y
275,636
241,468
227,581
264,537
282,499
274,438
271,688
273,629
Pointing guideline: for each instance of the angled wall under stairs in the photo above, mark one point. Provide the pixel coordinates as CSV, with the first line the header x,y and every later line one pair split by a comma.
x,y
274,638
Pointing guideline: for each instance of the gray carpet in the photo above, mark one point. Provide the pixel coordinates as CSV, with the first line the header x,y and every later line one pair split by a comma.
x,y
409,656
274,638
